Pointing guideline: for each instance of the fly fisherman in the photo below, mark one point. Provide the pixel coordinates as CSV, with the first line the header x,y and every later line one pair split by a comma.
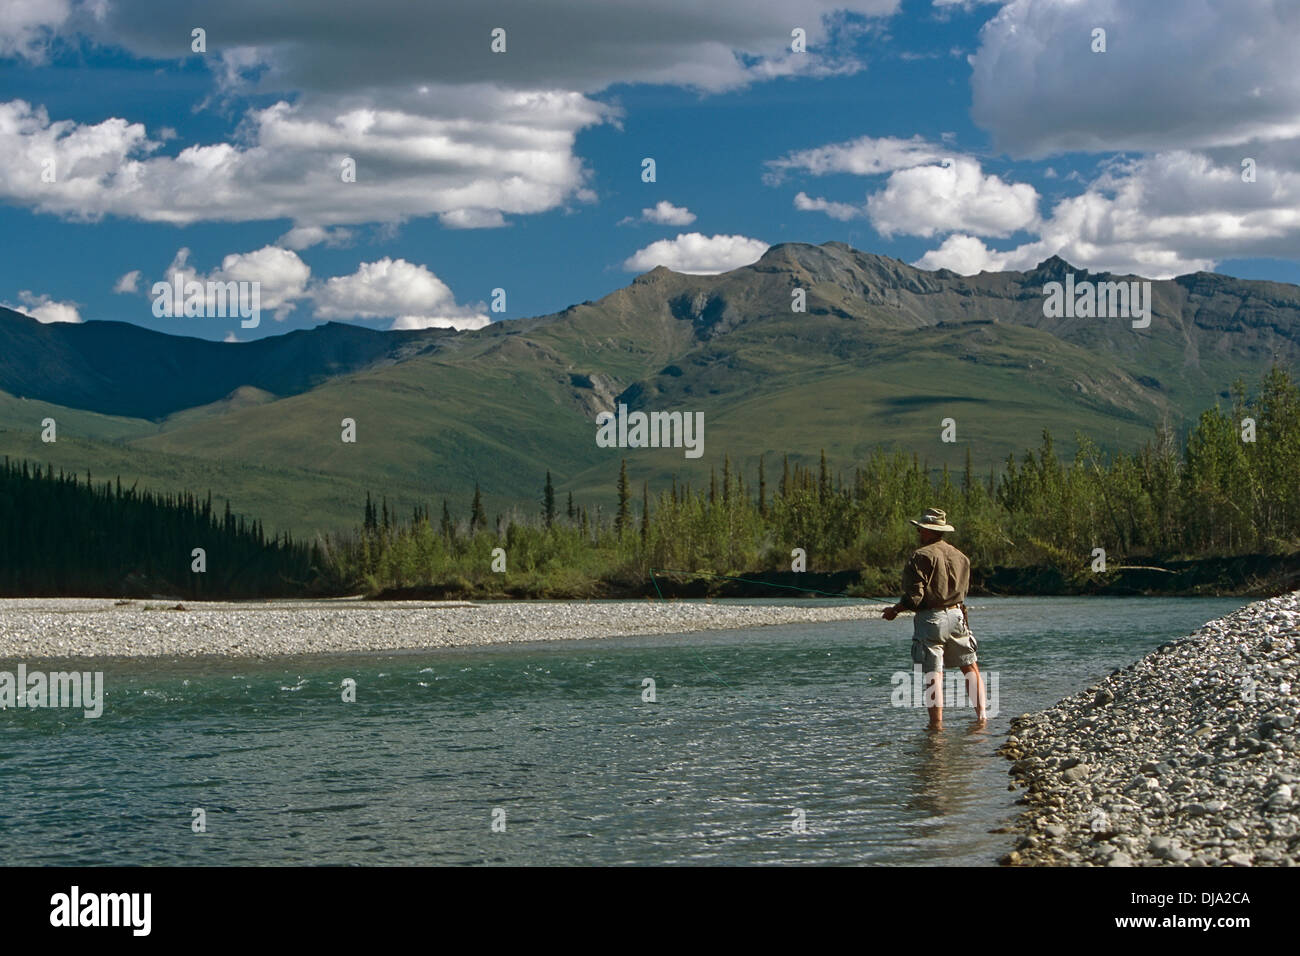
x,y
935,582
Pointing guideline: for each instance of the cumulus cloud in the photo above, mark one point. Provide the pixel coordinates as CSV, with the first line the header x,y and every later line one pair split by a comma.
x,y
436,123
664,213
1161,215
836,210
965,255
929,189
128,282
409,294
26,26
953,196
281,275
44,309
397,44
1180,74
304,237
865,156
469,156
696,254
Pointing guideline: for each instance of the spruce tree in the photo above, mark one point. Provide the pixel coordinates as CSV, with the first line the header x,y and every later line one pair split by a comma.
x,y
621,519
548,501
645,513
477,519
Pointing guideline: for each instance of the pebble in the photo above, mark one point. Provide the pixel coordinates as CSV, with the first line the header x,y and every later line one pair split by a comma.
x,y
1192,754
88,627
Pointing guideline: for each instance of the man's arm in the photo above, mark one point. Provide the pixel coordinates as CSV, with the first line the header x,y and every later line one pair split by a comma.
x,y
913,589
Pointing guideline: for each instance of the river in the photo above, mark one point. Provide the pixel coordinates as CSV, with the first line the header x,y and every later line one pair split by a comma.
x,y
767,745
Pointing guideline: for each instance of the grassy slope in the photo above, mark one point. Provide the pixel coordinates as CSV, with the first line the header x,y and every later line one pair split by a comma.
x,y
884,353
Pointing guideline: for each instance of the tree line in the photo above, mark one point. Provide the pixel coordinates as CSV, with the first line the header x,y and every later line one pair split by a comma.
x,y
61,536
1228,488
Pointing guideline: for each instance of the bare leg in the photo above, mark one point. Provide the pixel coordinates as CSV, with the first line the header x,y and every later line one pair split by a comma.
x,y
934,698
975,691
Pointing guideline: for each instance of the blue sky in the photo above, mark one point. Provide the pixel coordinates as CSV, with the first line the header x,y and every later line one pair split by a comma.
x,y
966,136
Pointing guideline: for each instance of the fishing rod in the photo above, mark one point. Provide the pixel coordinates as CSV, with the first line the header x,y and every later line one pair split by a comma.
x,y
730,577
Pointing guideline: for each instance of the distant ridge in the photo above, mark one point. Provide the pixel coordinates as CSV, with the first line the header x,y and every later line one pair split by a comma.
x,y
883,353
117,368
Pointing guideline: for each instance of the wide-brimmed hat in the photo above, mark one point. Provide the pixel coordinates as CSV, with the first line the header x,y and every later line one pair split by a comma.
x,y
935,519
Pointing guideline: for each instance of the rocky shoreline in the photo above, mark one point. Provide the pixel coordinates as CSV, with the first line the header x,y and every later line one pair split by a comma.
x,y
93,627
1189,756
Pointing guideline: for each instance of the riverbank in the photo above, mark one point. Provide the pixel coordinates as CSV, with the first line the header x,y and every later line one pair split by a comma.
x,y
91,627
1246,575
1188,756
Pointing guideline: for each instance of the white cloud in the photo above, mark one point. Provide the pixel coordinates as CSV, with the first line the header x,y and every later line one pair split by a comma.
x,y
929,190
304,237
952,197
696,254
44,309
409,294
470,320
281,275
472,219
965,255
437,124
664,213
470,156
836,210
128,283
1162,215
865,156
1179,74
1159,215
26,26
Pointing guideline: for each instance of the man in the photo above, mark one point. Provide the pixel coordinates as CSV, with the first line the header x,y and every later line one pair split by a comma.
x,y
935,582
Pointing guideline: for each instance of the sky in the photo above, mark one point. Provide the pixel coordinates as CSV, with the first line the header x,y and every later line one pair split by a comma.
x,y
395,164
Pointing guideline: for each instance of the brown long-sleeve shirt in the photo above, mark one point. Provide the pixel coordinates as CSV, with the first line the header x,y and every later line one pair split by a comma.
x,y
937,575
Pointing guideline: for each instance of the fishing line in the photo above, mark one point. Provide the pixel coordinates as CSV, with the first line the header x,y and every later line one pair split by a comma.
x,y
766,584
655,582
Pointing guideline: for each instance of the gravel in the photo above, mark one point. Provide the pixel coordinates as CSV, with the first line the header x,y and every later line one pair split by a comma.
x,y
83,627
1188,757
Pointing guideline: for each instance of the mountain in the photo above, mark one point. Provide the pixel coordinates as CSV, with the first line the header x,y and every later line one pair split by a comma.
x,y
882,355
117,368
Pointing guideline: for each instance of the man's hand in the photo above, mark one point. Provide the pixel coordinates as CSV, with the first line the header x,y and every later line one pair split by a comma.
x,y
890,613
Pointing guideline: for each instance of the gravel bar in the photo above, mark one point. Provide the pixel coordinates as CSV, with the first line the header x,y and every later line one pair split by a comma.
x,y
1188,757
84,627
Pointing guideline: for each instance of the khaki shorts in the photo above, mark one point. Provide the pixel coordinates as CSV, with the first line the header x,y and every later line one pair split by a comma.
x,y
941,639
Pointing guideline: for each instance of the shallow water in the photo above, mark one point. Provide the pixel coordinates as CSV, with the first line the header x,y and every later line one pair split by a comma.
x,y
748,728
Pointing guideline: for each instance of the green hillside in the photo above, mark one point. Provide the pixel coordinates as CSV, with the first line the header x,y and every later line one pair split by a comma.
x,y
882,355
